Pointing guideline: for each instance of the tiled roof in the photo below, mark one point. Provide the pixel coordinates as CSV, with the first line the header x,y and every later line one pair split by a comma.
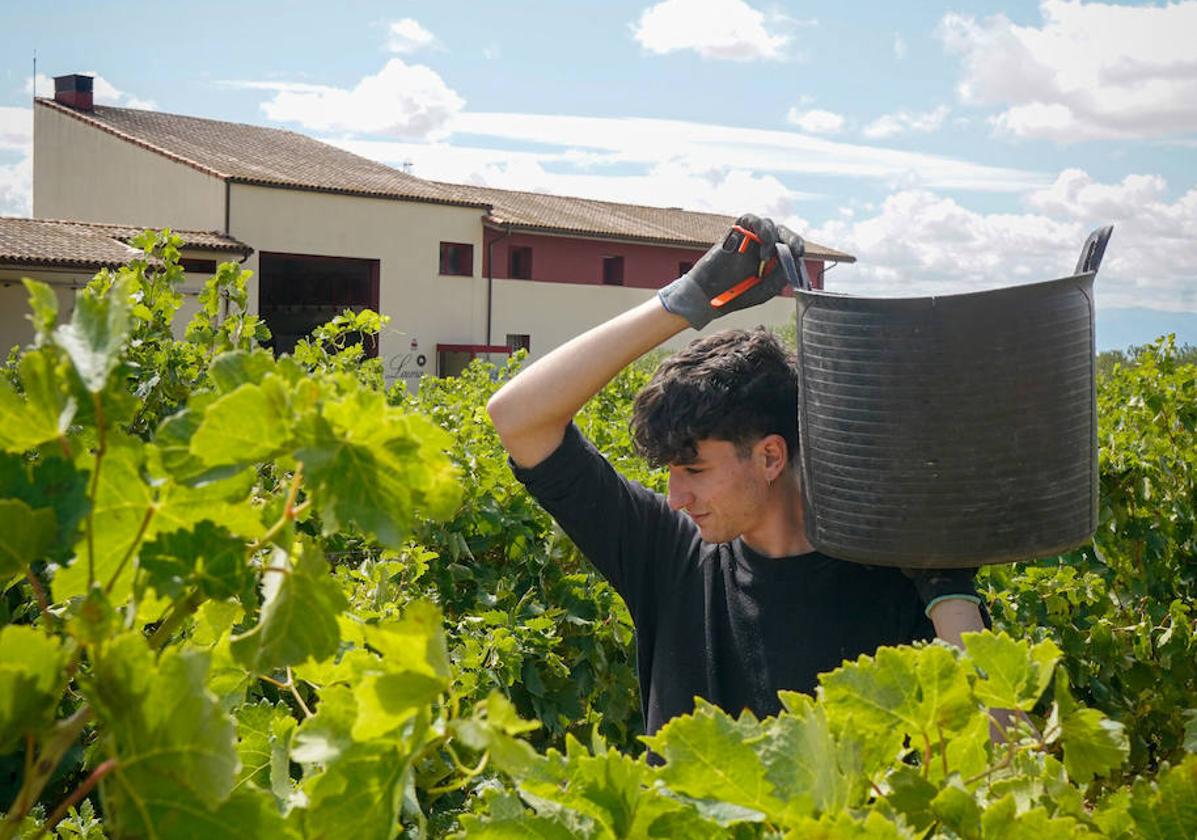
x,y
588,217
51,242
275,157
252,154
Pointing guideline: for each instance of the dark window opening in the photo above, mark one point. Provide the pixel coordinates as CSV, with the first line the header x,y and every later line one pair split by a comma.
x,y
684,267
457,259
519,262
612,271
298,293
519,341
194,266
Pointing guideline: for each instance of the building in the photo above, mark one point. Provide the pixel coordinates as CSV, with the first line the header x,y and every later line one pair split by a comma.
x,y
461,270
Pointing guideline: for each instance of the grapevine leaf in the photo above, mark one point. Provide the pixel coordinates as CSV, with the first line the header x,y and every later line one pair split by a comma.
x,y
1166,808
911,795
124,504
95,337
1190,743
805,765
263,737
372,467
44,412
171,450
522,827
1014,674
413,670
231,370
207,556
25,535
298,620
31,665
172,743
222,500
214,619
843,826
916,690
43,303
1093,744
958,810
707,756
244,426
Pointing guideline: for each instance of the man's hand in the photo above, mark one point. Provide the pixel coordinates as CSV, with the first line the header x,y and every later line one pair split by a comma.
x,y
727,265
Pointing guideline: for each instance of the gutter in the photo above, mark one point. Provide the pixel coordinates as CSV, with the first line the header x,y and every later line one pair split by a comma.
x,y
490,278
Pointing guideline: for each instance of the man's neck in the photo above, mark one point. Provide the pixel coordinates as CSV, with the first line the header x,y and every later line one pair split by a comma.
x,y
782,531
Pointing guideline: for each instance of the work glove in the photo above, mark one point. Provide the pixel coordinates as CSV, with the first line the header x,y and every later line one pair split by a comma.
x,y
739,272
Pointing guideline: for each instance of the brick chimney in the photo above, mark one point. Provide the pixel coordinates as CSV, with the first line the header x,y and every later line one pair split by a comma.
x,y
74,91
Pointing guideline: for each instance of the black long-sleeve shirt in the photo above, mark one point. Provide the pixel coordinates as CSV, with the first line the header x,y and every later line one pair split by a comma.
x,y
719,620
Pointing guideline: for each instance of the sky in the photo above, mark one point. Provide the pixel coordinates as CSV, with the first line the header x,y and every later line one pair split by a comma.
x,y
948,146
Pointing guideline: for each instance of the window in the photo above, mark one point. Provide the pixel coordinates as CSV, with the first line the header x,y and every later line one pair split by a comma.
x,y
457,259
298,292
518,341
194,266
519,262
612,271
684,267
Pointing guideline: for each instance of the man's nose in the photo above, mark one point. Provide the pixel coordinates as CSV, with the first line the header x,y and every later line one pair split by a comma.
x,y
679,496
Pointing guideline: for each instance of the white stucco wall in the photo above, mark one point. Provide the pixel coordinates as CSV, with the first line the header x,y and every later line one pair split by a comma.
x,y
403,236
83,173
553,313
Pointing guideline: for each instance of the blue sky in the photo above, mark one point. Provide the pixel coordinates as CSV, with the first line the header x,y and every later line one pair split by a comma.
x,y
949,146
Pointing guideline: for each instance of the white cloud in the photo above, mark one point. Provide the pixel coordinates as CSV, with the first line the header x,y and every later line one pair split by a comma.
x,y
906,122
1093,70
816,121
16,188
720,29
919,242
706,147
408,35
401,100
899,47
16,129
103,91
716,189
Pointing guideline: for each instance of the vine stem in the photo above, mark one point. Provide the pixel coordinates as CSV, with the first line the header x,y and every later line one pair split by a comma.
x,y
290,511
307,713
178,614
145,525
64,736
41,595
95,484
83,790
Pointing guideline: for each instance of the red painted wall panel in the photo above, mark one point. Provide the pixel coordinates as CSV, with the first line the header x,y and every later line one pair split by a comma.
x,y
560,259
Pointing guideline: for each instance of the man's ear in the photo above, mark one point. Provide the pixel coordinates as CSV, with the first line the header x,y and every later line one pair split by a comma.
x,y
774,455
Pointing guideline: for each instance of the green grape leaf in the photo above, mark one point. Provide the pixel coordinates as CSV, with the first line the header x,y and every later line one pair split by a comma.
x,y
959,811
1014,674
47,483
911,795
298,620
843,826
524,827
26,535
123,503
31,682
1166,808
244,426
96,335
917,690
413,670
806,766
1190,743
43,303
372,467
214,619
172,743
224,500
171,455
707,756
207,556
1093,744
356,792
263,740
231,370
44,412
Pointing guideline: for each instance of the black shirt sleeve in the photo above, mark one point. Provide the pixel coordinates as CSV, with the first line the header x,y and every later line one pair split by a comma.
x,y
627,531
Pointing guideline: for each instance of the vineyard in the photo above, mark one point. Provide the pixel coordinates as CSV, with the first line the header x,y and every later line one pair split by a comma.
x,y
248,596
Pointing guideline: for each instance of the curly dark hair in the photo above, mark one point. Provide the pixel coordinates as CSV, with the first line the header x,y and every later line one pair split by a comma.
x,y
734,385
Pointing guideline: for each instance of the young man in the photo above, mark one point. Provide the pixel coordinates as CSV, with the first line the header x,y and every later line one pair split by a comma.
x,y
729,599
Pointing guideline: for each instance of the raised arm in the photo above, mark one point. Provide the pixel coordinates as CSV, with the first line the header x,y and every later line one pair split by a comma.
x,y
532,411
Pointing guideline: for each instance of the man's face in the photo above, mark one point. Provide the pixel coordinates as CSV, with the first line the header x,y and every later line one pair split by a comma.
x,y
721,490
